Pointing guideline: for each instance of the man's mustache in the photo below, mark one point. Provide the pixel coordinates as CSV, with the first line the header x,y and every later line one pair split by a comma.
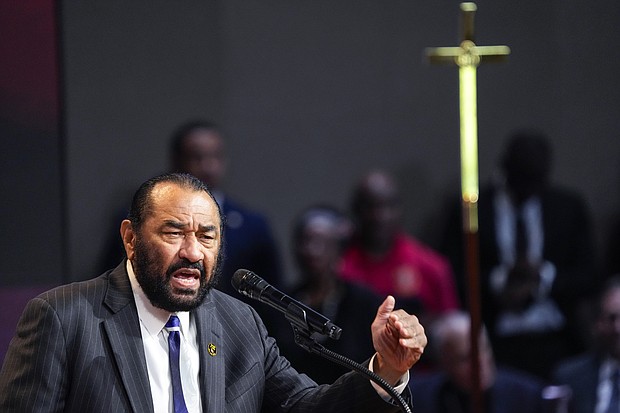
x,y
184,263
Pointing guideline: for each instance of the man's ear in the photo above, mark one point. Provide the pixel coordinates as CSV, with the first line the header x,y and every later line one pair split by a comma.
x,y
128,236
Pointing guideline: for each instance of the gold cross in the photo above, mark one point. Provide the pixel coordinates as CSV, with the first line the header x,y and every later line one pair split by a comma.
x,y
468,57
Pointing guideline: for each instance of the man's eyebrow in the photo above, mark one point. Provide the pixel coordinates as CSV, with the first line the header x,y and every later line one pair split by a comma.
x,y
183,225
207,228
175,224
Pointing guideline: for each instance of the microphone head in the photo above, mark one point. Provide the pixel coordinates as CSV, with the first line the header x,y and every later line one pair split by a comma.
x,y
248,283
251,285
240,280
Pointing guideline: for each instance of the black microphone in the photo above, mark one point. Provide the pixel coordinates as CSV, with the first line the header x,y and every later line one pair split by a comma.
x,y
302,316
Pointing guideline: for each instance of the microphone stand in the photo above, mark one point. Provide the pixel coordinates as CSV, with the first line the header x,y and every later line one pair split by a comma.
x,y
303,338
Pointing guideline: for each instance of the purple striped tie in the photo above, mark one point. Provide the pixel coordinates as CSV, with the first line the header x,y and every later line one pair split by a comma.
x,y
174,344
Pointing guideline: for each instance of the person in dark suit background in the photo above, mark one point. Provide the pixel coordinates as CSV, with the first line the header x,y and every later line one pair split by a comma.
x,y
536,258
320,233
198,148
590,375
100,345
449,388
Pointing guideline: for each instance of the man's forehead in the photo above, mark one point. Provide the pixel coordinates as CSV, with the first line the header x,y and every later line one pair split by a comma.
x,y
166,190
172,198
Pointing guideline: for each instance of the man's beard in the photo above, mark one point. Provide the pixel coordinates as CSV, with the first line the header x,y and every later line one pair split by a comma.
x,y
148,268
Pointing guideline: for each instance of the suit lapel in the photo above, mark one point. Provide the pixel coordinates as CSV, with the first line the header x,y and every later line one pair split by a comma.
x,y
211,351
123,331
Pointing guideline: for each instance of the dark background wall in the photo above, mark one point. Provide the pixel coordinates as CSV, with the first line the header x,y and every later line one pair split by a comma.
x,y
31,244
310,95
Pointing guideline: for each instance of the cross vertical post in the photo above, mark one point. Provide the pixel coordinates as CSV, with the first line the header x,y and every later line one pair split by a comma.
x,y
468,56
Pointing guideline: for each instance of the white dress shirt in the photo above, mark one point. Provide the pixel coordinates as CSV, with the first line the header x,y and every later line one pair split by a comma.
x,y
155,341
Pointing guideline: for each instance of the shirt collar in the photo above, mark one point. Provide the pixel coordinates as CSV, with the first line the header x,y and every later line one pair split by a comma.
x,y
152,318
503,196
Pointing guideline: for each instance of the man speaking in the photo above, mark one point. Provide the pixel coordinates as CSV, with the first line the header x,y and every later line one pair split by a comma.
x,y
152,335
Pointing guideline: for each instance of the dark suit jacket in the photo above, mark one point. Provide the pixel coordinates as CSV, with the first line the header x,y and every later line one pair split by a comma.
x,y
78,348
581,375
567,244
513,392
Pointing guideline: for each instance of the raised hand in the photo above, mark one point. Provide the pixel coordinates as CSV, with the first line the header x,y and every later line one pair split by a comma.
x,y
399,340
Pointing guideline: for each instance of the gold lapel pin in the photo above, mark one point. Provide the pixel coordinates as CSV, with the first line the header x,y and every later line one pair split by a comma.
x,y
211,349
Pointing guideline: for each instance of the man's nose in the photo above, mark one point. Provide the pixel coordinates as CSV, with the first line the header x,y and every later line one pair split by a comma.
x,y
191,250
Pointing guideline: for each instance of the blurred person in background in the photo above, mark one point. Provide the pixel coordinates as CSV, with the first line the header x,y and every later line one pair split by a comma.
x,y
536,258
385,258
594,376
198,148
449,389
319,235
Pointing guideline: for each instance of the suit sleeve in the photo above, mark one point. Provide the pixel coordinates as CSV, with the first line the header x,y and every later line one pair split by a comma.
x,y
34,374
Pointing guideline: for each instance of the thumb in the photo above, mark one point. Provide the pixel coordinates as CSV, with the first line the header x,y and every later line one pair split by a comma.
x,y
386,308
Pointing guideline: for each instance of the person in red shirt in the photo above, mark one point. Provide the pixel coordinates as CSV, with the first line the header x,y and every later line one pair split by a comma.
x,y
389,260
